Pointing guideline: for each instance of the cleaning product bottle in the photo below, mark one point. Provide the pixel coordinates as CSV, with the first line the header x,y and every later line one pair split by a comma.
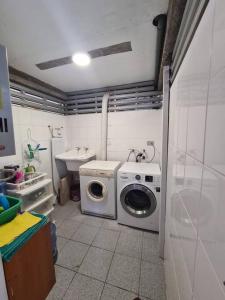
x,y
3,200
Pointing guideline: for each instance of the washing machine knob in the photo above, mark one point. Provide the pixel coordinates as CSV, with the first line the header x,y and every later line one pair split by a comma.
x,y
137,177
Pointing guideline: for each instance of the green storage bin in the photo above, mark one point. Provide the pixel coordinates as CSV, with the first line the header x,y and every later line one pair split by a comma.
x,y
10,214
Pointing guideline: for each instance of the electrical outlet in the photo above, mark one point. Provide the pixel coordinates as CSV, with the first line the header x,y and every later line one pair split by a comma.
x,y
150,143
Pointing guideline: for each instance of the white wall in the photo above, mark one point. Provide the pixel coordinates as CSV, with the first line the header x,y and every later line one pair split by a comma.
x,y
130,129
126,130
37,121
195,220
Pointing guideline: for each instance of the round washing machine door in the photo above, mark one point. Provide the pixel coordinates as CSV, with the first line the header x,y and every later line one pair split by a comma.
x,y
96,191
138,200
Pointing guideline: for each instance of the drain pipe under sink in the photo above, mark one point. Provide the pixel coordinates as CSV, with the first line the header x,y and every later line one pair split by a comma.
x,y
104,126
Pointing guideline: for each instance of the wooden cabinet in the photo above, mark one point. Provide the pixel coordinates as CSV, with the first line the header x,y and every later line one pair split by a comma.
x,y
30,274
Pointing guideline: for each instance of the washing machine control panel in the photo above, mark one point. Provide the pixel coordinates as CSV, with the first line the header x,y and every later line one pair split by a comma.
x,y
141,178
146,178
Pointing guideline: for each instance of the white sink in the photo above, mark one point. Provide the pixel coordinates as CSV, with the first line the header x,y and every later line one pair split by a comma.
x,y
74,158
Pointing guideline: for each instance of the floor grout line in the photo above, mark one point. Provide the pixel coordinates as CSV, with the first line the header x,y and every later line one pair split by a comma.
x,y
139,284
102,291
69,285
110,266
89,245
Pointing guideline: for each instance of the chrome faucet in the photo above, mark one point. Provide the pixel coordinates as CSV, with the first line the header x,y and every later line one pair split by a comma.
x,y
86,149
78,148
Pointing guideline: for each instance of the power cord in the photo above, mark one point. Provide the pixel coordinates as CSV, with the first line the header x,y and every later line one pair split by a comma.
x,y
154,150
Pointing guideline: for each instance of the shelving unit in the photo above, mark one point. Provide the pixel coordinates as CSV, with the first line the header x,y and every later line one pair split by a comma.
x,y
38,197
38,203
20,186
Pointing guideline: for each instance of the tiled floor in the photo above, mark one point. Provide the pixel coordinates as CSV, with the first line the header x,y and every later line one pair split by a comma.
x,y
100,259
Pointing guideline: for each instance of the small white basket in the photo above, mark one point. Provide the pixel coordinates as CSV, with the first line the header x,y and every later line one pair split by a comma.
x,y
36,177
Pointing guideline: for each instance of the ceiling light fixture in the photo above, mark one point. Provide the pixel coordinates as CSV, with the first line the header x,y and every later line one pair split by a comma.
x,y
81,59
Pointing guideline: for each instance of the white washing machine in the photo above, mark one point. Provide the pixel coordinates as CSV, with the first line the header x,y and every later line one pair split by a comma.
x,y
138,195
98,188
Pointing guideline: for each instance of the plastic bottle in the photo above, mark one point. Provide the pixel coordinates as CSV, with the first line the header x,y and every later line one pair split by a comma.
x,y
3,201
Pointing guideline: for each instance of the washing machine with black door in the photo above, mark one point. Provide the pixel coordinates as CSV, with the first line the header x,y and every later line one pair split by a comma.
x,y
138,195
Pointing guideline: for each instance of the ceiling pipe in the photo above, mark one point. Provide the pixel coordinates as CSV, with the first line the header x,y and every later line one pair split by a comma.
x,y
160,22
104,127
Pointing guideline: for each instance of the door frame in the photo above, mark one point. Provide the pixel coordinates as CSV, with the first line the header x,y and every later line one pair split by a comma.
x,y
164,158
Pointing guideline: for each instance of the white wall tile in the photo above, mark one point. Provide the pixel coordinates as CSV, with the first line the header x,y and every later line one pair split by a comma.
x,y
215,142
182,99
126,130
171,189
212,220
170,274
16,114
207,285
191,192
180,170
218,59
187,235
25,116
173,116
183,280
182,119
197,74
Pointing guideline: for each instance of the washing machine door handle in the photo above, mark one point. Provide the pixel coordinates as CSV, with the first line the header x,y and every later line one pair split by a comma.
x,y
96,191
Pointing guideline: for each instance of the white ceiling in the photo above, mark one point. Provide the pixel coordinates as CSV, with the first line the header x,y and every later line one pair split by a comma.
x,y
36,31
